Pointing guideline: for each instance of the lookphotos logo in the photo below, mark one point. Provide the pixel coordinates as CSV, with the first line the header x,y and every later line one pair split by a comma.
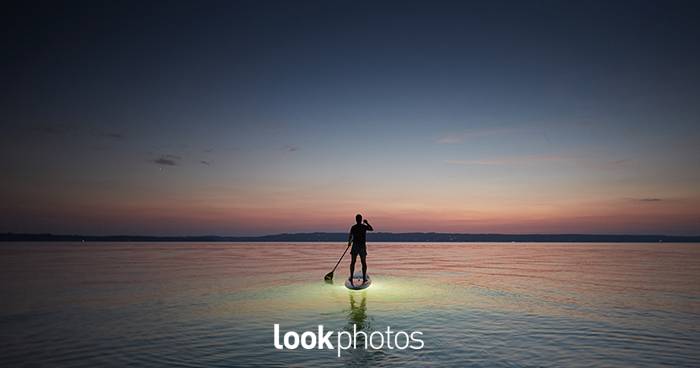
x,y
344,340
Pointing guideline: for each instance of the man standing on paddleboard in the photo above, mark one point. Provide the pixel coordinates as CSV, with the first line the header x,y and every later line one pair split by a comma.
x,y
358,235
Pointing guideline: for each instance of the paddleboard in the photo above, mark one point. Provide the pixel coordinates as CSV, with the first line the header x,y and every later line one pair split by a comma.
x,y
357,283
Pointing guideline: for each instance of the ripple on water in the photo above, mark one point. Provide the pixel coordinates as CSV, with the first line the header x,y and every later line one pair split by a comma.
x,y
490,305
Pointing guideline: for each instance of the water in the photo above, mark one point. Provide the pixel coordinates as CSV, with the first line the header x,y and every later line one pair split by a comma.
x,y
490,305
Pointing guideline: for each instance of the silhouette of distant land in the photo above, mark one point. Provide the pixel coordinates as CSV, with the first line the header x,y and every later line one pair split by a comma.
x,y
374,237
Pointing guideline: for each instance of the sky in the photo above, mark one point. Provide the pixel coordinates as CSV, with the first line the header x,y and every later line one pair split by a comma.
x,y
248,118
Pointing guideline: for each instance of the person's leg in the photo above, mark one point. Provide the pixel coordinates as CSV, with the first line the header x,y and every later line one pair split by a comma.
x,y
353,258
363,259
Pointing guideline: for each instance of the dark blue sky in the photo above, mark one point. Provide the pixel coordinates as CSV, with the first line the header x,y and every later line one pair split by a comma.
x,y
236,117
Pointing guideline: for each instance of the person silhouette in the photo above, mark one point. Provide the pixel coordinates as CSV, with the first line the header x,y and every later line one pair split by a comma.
x,y
358,236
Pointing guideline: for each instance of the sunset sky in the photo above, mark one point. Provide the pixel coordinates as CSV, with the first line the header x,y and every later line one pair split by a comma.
x,y
246,118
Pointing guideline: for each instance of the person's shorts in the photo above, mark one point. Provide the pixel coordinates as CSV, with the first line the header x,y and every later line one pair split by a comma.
x,y
359,249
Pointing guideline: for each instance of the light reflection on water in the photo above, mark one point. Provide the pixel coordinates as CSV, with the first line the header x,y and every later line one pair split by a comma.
x,y
214,304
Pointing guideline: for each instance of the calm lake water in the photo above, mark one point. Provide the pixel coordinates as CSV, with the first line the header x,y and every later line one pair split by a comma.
x,y
477,304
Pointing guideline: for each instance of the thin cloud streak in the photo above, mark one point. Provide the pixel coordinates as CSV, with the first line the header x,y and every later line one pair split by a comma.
x,y
503,161
460,137
115,136
167,160
646,200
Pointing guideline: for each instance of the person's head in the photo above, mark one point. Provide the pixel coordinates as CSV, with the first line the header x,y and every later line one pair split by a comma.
x,y
358,218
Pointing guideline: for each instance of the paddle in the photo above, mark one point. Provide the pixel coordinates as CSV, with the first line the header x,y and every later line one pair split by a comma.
x,y
329,276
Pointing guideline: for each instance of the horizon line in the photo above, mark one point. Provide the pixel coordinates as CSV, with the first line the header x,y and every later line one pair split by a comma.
x,y
382,237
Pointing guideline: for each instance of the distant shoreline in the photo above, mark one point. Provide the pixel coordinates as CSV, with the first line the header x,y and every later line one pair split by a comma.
x,y
375,237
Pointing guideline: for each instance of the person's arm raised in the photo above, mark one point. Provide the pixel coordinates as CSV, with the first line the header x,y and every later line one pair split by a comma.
x,y
369,227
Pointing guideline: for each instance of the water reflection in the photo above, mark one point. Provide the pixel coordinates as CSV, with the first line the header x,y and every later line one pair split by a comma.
x,y
357,315
359,320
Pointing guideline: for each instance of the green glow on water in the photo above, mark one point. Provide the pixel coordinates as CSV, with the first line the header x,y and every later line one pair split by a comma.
x,y
385,294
